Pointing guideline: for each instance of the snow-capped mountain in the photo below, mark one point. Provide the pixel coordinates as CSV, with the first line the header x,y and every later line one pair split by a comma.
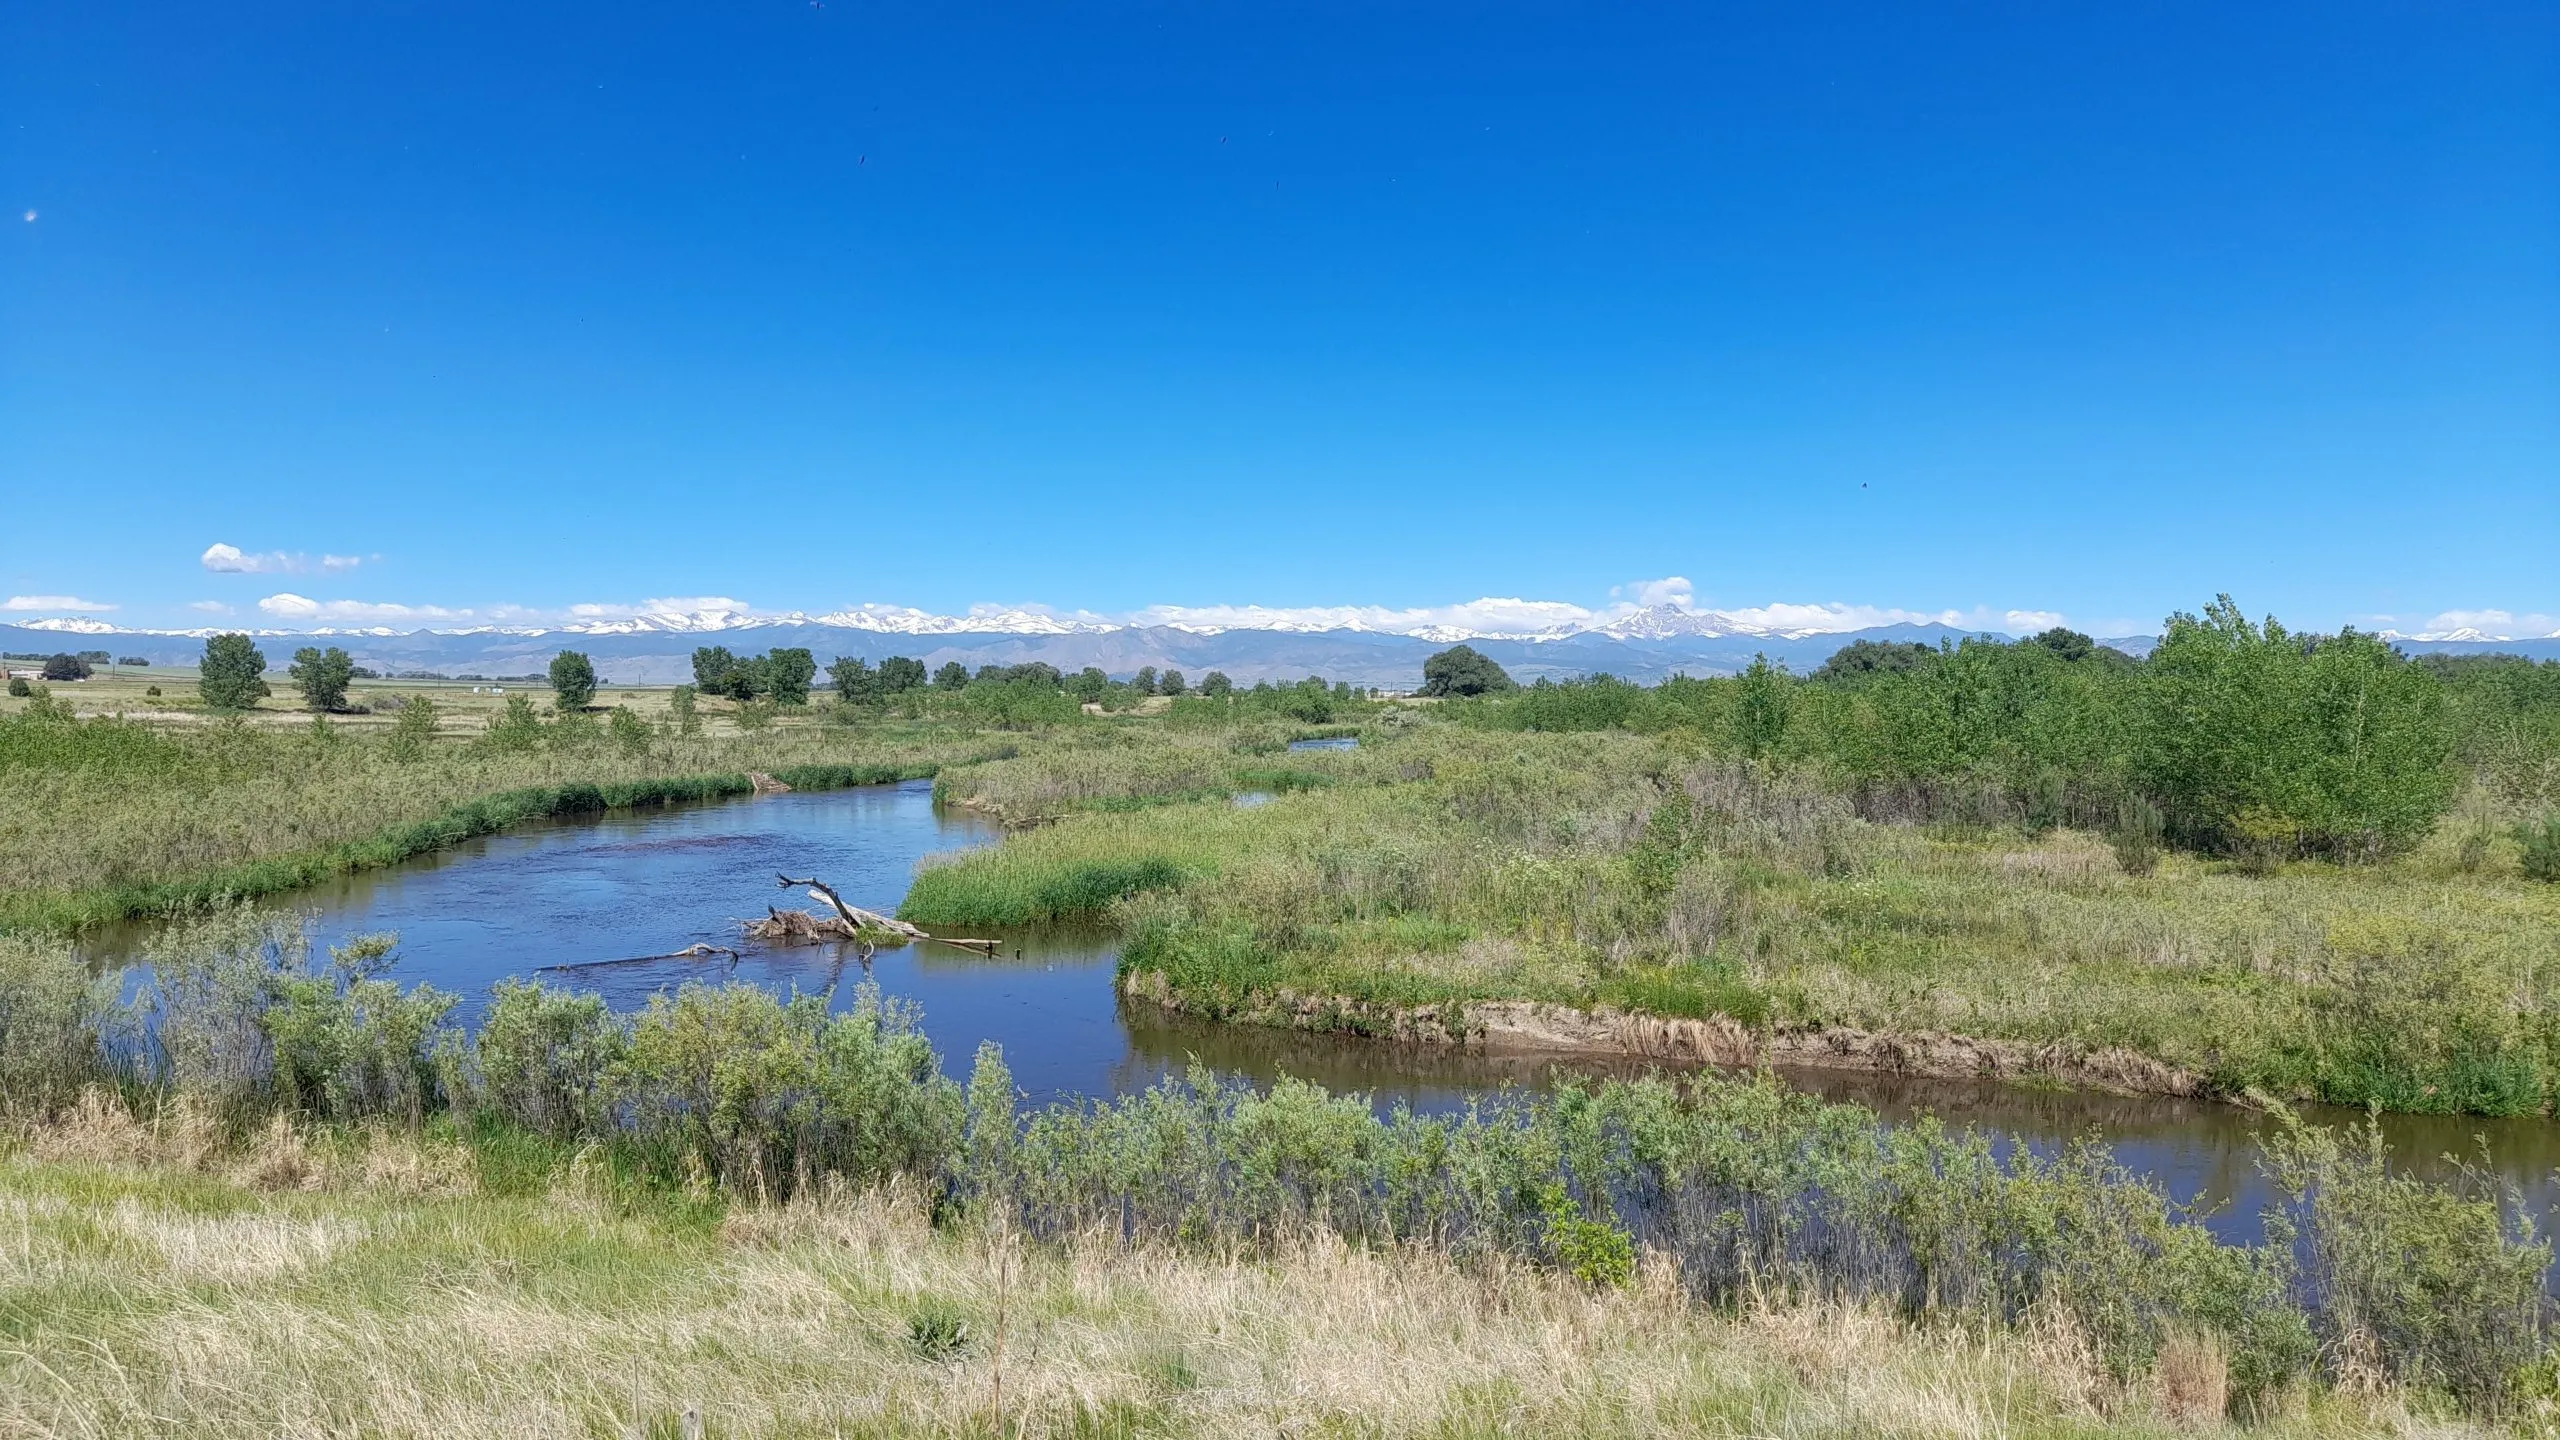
x,y
1365,645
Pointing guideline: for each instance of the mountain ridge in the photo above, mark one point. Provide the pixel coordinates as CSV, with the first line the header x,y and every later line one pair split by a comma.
x,y
1651,649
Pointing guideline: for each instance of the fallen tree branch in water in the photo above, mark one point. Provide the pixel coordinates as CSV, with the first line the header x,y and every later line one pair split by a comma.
x,y
690,952
848,923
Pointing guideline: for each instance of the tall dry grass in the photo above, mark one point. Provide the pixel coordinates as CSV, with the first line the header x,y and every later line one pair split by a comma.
x,y
142,1300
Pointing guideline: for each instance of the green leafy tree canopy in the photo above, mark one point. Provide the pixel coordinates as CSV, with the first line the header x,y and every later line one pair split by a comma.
x,y
232,674
1464,670
322,676
573,680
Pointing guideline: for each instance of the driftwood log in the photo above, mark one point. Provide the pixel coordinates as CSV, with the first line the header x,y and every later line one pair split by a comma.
x,y
849,922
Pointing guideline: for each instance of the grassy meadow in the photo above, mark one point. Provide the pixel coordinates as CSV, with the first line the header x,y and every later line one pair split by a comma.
x,y
1439,865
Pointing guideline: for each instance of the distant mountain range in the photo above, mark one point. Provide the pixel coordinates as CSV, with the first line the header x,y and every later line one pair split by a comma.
x,y
1646,645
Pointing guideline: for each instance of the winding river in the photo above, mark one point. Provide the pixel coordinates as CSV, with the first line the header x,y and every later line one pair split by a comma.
x,y
646,883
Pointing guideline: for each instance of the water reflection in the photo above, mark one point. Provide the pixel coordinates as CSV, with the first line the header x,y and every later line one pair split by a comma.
x,y
647,883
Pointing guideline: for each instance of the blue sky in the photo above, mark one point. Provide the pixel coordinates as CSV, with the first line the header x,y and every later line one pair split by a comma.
x,y
520,308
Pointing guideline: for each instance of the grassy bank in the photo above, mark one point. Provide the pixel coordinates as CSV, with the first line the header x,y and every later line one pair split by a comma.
x,y
408,1297
111,819
68,912
1438,866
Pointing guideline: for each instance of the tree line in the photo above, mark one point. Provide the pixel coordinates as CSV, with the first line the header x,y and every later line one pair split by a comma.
x,y
2233,736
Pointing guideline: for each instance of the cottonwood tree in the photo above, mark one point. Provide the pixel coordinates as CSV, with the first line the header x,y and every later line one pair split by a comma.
x,y
787,674
900,673
232,674
856,683
322,677
573,681
1464,670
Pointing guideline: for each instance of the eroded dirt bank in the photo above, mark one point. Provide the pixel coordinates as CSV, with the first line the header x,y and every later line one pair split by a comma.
x,y
1515,1025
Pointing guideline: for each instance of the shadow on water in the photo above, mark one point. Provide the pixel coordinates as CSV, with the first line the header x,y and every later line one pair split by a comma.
x,y
651,882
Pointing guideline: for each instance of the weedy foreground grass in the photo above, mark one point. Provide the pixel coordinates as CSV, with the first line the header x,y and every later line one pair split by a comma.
x,y
380,1287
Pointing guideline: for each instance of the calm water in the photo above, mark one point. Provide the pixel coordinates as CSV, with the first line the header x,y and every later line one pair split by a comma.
x,y
648,883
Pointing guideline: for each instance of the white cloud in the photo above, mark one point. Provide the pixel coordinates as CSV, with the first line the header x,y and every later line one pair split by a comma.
x,y
55,603
2027,622
1672,590
669,605
2501,624
210,607
289,606
225,559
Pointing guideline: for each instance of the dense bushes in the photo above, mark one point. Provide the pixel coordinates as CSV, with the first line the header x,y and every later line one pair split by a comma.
x,y
2244,738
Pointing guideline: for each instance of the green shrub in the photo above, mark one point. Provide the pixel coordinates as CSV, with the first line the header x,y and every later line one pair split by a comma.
x,y
515,729
2541,845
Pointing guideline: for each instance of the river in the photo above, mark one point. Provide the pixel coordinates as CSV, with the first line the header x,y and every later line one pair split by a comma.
x,y
641,883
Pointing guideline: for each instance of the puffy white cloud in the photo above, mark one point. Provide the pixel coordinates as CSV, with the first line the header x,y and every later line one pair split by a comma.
x,y
225,559
288,606
1672,590
58,603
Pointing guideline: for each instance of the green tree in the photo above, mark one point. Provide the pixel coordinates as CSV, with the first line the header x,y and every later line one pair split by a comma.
x,y
2068,644
1171,684
720,672
2259,740
855,682
1089,684
1216,685
1860,659
630,733
899,674
66,667
322,677
787,674
414,728
1464,670
687,713
952,676
232,675
1761,709
515,728
573,681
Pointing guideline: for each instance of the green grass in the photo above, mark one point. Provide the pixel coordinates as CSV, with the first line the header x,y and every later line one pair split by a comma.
x,y
1442,867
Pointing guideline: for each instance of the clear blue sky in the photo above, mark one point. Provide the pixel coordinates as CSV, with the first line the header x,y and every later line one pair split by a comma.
x,y
2089,309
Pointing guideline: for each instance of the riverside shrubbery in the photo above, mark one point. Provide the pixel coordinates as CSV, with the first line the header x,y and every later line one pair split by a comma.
x,y
1752,1191
2246,738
